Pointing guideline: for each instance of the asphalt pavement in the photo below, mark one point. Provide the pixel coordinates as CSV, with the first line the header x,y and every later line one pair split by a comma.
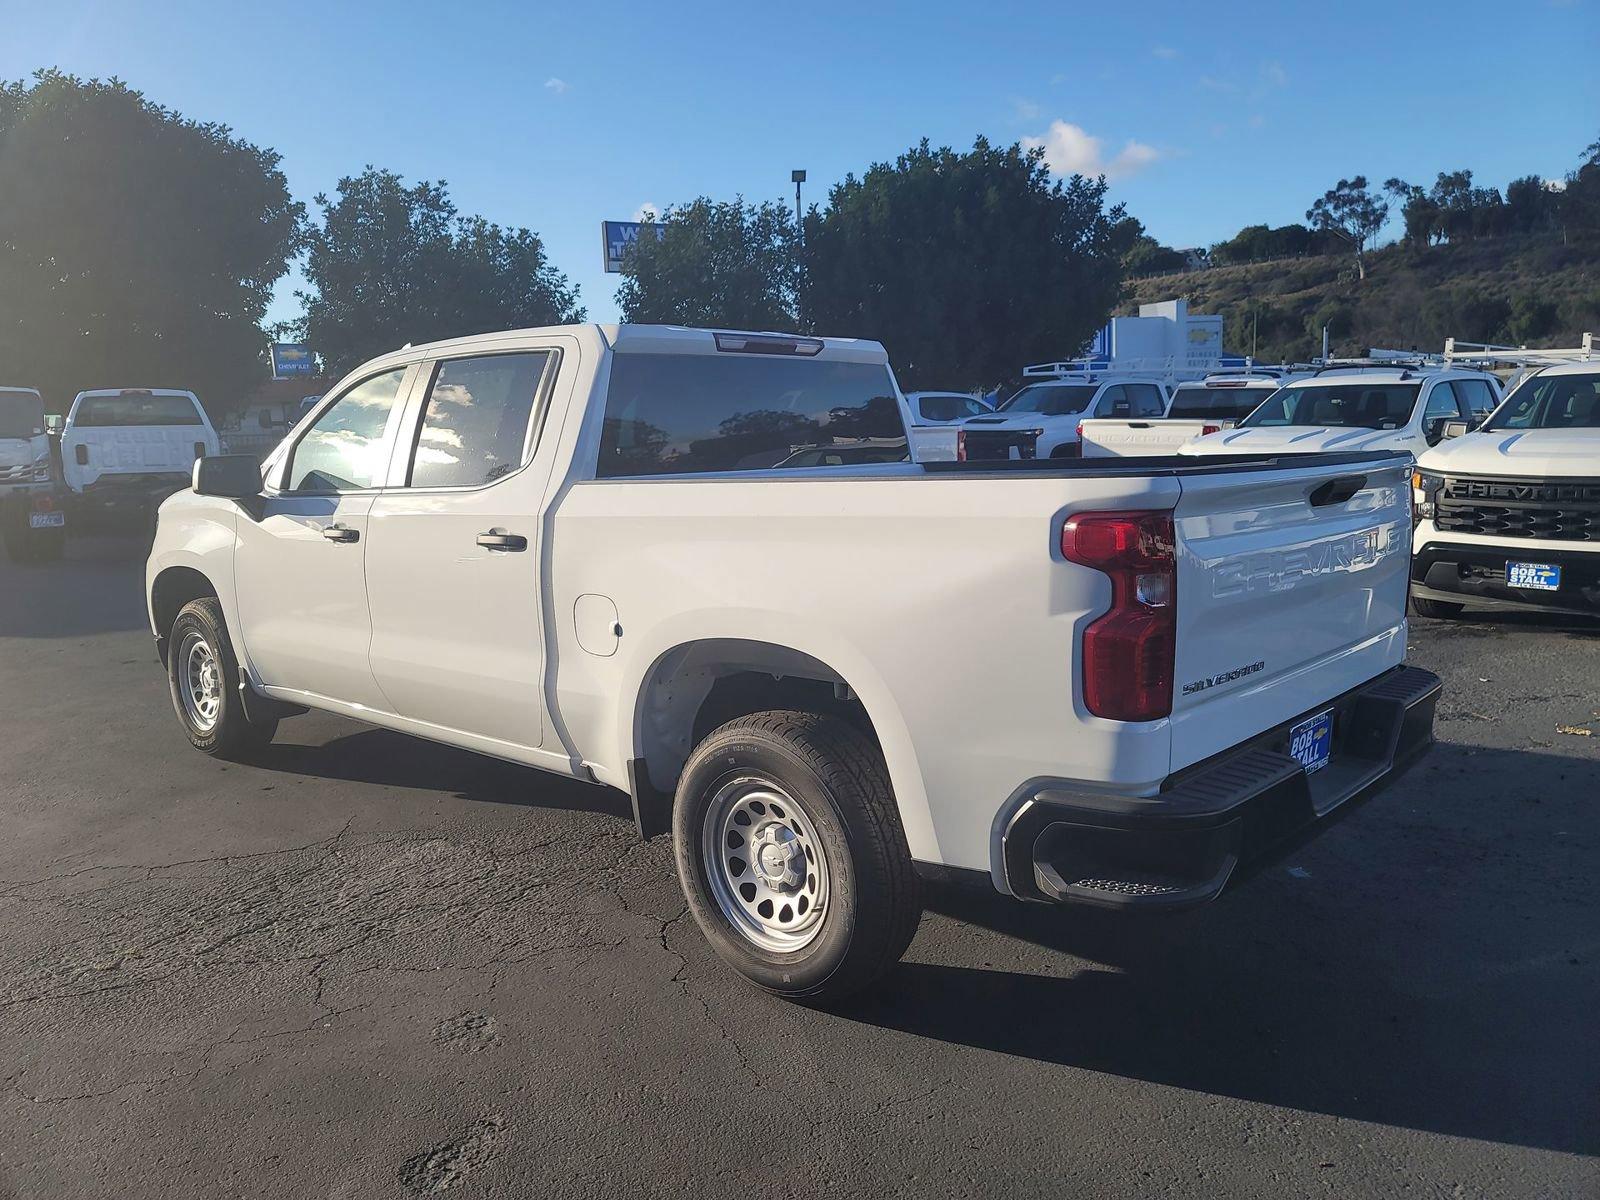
x,y
366,966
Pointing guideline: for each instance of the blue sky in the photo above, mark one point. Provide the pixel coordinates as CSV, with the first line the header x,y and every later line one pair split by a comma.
x,y
1205,116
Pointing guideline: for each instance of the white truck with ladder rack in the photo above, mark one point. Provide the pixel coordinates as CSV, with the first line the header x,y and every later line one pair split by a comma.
x,y
1199,408
1509,512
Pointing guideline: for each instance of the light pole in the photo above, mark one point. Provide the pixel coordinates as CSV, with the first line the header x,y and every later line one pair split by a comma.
x,y
797,178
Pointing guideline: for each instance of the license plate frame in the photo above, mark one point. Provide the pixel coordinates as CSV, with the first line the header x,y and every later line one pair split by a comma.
x,y
1311,741
1534,576
47,520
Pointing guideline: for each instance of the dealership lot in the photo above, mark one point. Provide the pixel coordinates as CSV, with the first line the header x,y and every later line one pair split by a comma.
x,y
367,966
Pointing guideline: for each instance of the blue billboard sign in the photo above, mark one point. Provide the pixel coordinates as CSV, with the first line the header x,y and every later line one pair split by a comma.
x,y
617,236
290,359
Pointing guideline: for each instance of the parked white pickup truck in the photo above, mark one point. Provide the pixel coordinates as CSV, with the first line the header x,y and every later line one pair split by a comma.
x,y
124,450
1199,408
1511,513
1359,406
1055,408
32,520
575,548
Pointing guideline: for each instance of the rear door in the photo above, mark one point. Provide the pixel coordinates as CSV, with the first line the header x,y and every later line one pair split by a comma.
x,y
299,566
1291,590
453,560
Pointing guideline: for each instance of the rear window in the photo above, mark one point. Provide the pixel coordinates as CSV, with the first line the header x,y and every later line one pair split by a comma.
x,y
1551,402
21,414
680,414
1354,404
1220,404
134,408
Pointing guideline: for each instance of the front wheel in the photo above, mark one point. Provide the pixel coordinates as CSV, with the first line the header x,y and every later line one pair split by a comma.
x,y
1441,610
792,857
203,676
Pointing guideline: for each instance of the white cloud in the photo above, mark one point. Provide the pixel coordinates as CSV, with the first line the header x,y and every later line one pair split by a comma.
x,y
1167,52
1070,150
1273,74
558,86
649,206
1027,110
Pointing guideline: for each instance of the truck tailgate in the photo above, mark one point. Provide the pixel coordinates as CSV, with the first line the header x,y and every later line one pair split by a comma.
x,y
1291,589
1104,437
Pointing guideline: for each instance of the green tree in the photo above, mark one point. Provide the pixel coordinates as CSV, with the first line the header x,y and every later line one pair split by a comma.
x,y
1419,213
966,265
392,264
1530,205
1352,213
725,264
137,248
1580,199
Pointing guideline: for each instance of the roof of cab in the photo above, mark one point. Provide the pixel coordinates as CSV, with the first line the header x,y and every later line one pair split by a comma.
x,y
1570,368
1385,375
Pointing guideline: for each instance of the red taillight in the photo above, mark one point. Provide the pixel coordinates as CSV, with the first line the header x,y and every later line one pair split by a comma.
x,y
1128,652
1080,431
961,445
1205,429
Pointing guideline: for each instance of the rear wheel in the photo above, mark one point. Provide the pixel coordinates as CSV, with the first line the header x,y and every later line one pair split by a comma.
x,y
203,676
792,857
1442,610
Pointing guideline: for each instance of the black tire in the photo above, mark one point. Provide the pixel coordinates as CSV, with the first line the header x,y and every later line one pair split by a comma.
x,y
836,777
1439,610
230,733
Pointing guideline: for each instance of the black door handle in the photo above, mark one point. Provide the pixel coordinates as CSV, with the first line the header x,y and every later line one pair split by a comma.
x,y
1337,491
499,539
341,533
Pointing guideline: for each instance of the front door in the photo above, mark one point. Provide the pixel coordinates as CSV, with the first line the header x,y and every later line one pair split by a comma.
x,y
299,567
453,553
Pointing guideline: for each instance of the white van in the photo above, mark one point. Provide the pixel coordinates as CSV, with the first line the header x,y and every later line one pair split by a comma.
x,y
127,448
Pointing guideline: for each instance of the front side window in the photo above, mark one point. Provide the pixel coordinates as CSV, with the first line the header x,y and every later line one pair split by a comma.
x,y
949,408
675,414
1144,400
1441,404
1476,396
1353,404
1551,402
475,426
348,448
135,408
1051,399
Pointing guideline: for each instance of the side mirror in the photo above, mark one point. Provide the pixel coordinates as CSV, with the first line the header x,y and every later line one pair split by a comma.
x,y
235,476
1455,429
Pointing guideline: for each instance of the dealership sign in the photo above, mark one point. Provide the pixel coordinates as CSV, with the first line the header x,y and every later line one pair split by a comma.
x,y
290,359
617,236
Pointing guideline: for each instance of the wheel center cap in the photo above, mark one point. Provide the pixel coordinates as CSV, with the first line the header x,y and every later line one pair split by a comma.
x,y
778,857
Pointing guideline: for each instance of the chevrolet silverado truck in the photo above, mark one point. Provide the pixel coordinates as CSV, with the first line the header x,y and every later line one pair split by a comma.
x,y
599,550
1199,408
1511,513
125,450
1048,412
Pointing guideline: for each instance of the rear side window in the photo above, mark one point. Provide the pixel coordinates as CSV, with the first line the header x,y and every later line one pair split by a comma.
x,y
348,447
949,408
679,414
134,408
1145,400
475,426
1476,396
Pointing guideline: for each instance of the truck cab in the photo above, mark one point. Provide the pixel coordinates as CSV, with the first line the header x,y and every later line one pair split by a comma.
x,y
1360,405
1511,513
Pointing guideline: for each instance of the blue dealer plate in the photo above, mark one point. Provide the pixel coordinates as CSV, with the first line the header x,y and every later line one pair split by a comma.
x,y
47,520
1311,741
1543,577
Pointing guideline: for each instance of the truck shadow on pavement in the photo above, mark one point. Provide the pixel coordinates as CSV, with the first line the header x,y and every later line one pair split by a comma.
x,y
1437,969
388,759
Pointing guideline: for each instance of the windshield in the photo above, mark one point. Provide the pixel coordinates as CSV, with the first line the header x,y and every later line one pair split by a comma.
x,y
1224,404
1351,404
1551,402
21,414
136,408
1051,399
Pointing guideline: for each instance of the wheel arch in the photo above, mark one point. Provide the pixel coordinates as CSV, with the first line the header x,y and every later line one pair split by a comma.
x,y
171,589
696,685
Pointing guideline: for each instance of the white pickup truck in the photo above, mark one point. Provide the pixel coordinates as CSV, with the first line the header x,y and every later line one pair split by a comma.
x,y
1199,408
32,519
124,450
1379,405
579,549
1511,513
1049,411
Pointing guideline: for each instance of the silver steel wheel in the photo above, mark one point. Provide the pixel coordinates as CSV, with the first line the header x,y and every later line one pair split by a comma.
x,y
199,682
765,863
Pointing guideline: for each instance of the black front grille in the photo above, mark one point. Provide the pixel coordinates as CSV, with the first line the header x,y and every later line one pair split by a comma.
x,y
1565,510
